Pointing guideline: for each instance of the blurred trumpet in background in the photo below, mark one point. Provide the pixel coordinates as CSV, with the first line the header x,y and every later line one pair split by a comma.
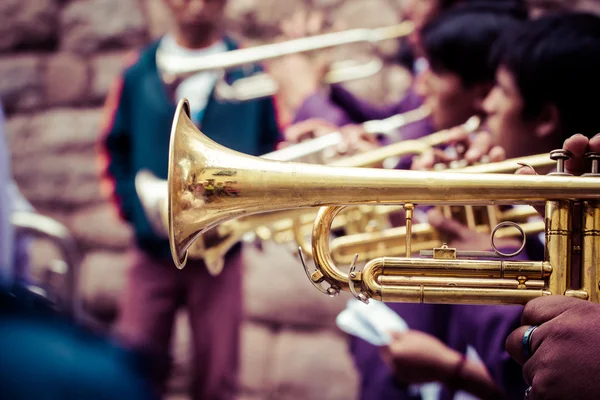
x,y
261,84
371,241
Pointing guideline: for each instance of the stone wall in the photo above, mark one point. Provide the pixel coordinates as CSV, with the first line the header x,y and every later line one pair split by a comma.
x,y
57,61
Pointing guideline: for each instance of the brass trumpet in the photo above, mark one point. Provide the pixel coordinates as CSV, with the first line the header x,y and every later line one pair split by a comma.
x,y
261,85
320,150
250,185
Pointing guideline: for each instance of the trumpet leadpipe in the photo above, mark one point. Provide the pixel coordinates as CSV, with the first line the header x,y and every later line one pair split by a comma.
x,y
184,66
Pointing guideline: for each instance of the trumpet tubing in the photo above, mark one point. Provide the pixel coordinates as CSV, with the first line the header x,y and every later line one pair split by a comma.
x,y
448,279
405,147
392,242
315,150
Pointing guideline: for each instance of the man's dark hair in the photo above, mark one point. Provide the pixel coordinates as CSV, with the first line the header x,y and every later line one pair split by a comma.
x,y
460,41
556,60
514,4
406,55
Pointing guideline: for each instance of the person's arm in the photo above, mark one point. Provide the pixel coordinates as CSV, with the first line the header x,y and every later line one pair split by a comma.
x,y
565,348
417,357
319,105
118,178
485,329
361,111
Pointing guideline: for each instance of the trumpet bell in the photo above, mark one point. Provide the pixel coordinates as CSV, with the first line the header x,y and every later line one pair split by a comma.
x,y
178,242
199,184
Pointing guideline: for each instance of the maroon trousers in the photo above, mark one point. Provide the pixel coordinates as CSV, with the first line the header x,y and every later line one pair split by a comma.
x,y
156,289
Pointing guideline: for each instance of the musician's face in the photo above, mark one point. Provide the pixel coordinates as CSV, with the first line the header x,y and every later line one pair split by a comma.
x,y
505,118
192,13
450,102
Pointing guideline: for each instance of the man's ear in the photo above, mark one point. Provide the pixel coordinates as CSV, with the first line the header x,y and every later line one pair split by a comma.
x,y
547,122
480,93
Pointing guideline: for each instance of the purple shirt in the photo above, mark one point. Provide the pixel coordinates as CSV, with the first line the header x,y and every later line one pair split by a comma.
x,y
341,107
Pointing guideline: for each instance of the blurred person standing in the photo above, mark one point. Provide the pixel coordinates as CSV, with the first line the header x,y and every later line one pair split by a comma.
x,y
140,111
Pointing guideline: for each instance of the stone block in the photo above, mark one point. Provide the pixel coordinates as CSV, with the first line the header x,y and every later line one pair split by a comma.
x,y
91,25
313,366
256,357
102,281
21,82
368,14
66,80
54,182
259,18
54,156
181,350
57,131
106,68
100,227
277,291
28,23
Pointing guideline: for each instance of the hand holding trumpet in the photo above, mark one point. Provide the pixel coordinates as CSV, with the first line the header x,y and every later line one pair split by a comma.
x,y
560,334
356,139
470,148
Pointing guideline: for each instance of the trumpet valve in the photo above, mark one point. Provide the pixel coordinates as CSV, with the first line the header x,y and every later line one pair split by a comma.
x,y
595,158
560,156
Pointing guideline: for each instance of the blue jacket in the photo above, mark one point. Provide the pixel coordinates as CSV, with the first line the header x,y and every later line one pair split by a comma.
x,y
140,113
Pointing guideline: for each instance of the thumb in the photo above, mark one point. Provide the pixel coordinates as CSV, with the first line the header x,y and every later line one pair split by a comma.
x,y
525,170
529,170
445,225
